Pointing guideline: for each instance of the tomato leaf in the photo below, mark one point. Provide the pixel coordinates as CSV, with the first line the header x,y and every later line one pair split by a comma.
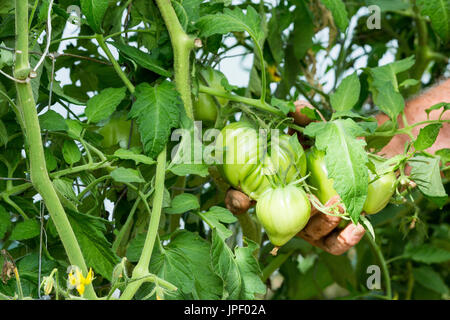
x,y
225,266
232,21
345,160
157,110
183,203
214,218
70,151
430,279
90,233
340,15
439,13
102,105
426,253
426,174
25,230
207,284
143,59
385,89
284,106
444,105
126,175
387,99
126,154
427,136
52,121
347,94
250,270
444,154
94,10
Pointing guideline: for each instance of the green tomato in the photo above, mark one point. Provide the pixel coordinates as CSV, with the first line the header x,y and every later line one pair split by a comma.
x,y
246,164
283,212
205,107
319,175
236,148
117,131
379,192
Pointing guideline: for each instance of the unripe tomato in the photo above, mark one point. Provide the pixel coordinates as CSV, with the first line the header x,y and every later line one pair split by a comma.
x,y
283,212
319,175
237,149
117,131
246,164
288,156
205,107
379,192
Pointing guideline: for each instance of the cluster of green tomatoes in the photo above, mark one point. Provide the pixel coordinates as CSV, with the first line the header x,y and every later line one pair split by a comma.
x,y
273,172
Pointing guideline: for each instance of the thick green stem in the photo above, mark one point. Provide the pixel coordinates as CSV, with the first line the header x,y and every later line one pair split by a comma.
x,y
35,153
141,269
182,45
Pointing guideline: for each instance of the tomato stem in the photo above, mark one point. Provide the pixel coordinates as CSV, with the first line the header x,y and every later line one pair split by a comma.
x,y
384,266
257,103
101,41
182,45
141,268
34,147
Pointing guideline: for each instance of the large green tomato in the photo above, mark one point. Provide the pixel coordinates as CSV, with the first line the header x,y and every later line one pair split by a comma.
x,y
248,166
379,192
117,131
283,212
205,107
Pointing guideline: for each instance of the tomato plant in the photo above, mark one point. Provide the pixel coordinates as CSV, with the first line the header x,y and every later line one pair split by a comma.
x,y
130,129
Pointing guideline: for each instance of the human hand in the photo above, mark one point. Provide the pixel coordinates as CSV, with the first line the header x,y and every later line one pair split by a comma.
x,y
321,231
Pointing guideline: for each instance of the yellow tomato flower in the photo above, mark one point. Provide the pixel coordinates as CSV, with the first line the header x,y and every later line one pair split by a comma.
x,y
274,75
78,281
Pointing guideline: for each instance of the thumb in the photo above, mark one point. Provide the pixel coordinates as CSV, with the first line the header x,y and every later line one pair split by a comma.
x,y
237,202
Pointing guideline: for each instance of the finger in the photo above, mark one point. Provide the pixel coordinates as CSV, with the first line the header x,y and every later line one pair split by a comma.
x,y
321,224
237,202
300,118
340,242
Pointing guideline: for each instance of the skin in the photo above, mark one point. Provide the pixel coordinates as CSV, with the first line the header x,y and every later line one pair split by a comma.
x,y
321,230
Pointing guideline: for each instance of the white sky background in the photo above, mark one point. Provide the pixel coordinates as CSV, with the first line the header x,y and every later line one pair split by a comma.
x,y
236,69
